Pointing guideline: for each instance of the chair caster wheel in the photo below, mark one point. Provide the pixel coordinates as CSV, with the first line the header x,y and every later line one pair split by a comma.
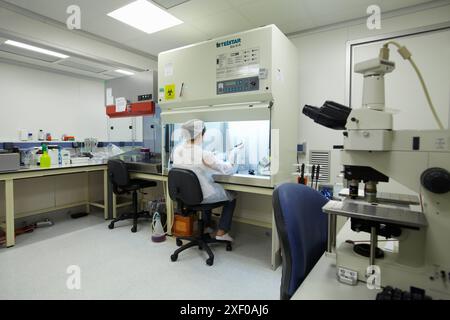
x,y
229,247
210,261
179,243
174,257
134,229
111,226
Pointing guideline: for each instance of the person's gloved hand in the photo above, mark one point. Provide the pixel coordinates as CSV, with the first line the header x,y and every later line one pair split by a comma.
x,y
233,153
239,147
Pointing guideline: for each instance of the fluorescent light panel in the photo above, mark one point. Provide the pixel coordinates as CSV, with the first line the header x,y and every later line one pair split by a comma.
x,y
128,73
35,49
145,16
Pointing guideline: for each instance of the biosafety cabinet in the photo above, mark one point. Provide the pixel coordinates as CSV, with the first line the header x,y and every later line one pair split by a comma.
x,y
245,88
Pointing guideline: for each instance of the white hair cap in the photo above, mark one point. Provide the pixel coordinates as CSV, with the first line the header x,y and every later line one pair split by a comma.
x,y
193,128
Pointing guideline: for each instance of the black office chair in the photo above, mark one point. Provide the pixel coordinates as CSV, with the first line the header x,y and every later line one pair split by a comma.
x,y
121,182
303,231
185,189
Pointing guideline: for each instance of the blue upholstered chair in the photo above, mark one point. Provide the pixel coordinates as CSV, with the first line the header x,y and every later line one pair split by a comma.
x,y
302,230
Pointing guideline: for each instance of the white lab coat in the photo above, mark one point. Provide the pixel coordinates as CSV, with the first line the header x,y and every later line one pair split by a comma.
x,y
204,164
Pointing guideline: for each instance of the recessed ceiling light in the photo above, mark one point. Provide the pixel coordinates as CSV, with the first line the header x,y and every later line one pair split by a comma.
x,y
128,73
36,49
145,16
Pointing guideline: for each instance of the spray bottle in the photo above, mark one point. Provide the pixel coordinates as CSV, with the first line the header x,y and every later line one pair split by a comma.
x,y
45,161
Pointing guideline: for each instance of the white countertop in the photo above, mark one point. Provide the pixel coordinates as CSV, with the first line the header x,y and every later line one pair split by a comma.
x,y
58,167
322,284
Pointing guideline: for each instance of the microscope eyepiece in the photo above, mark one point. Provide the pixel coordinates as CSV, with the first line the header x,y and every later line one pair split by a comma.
x,y
331,115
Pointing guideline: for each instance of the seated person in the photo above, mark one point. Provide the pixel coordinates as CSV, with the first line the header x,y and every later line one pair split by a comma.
x,y
190,155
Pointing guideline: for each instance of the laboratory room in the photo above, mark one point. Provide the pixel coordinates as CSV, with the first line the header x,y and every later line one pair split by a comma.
x,y
225,155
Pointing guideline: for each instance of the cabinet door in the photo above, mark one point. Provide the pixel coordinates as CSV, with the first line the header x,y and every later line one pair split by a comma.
x,y
120,129
125,129
138,129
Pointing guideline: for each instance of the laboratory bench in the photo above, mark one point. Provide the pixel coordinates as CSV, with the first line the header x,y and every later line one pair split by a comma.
x,y
244,180
322,284
112,203
31,172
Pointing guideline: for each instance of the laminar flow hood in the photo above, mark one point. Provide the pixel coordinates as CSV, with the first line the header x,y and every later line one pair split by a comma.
x,y
245,79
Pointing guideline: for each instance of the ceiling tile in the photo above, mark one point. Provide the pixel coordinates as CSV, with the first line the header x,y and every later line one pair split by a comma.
x,y
195,9
238,3
168,39
295,25
326,12
264,12
94,17
223,23
167,4
205,19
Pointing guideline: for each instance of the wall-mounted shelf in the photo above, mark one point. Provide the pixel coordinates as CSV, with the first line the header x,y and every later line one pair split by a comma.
x,y
133,110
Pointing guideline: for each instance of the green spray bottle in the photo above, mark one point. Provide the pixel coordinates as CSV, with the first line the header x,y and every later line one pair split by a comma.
x,y
45,161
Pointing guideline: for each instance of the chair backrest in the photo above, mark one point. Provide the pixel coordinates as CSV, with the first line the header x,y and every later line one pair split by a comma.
x,y
184,187
302,230
118,173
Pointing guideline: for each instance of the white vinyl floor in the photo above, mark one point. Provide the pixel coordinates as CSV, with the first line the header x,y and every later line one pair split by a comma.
x,y
116,264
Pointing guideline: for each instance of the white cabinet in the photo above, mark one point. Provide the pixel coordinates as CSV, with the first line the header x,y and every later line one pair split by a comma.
x,y
125,129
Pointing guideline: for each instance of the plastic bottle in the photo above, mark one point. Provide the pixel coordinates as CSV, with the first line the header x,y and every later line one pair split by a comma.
x,y
60,162
158,234
45,161
41,135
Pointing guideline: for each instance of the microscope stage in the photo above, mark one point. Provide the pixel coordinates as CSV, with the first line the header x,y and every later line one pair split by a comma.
x,y
398,215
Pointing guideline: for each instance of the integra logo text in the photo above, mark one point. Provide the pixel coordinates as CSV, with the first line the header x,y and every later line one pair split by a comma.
x,y
227,43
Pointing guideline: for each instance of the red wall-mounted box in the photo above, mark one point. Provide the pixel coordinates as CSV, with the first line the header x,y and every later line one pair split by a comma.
x,y
144,108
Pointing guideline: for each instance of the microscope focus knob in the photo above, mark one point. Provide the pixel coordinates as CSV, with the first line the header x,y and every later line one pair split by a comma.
x,y
436,180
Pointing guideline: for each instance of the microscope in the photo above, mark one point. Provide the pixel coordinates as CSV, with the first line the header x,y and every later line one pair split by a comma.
x,y
418,230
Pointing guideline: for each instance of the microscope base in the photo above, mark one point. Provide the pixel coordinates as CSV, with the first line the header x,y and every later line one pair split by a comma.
x,y
392,273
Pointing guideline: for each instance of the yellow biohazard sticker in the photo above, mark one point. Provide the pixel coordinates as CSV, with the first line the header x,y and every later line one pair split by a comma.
x,y
170,92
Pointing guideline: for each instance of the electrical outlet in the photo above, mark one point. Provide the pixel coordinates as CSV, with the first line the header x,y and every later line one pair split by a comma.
x,y
301,148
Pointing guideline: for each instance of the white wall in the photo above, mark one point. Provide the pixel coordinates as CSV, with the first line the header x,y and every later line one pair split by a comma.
x,y
32,99
323,57
404,94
